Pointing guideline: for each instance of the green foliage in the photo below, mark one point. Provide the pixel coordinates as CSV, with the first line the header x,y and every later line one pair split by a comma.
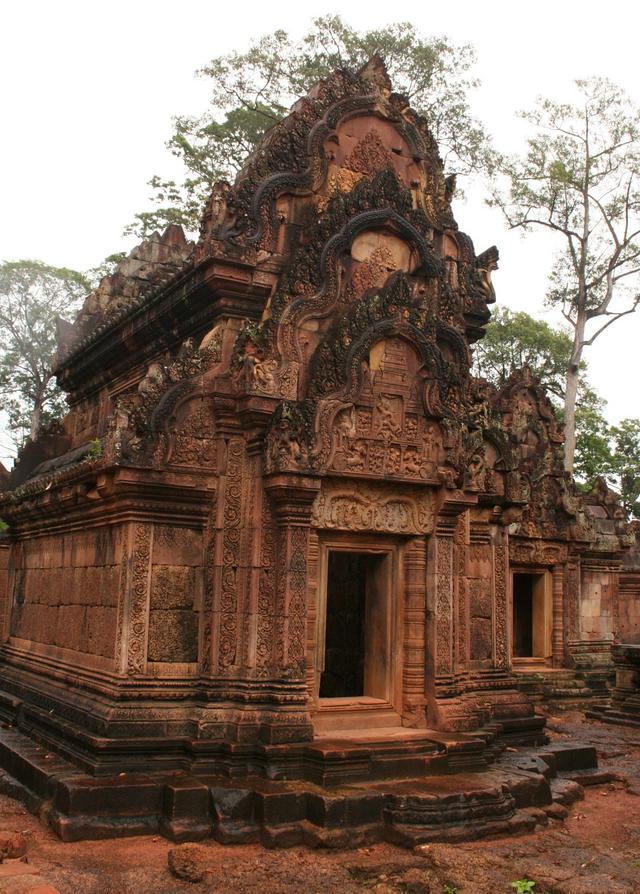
x,y
625,463
252,90
32,296
449,889
95,450
514,339
523,886
593,438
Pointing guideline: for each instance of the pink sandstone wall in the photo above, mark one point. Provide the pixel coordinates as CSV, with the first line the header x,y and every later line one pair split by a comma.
x,y
597,604
65,590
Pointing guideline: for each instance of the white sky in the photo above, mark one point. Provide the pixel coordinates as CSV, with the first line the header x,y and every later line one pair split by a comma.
x,y
88,91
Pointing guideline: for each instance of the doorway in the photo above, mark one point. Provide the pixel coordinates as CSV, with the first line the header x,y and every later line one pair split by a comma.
x,y
357,652
354,627
531,615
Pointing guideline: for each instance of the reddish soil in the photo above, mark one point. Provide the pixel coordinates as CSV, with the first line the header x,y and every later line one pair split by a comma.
x,y
596,851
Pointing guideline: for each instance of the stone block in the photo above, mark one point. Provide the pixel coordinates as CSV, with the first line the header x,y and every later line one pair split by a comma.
x,y
177,546
481,638
173,636
173,587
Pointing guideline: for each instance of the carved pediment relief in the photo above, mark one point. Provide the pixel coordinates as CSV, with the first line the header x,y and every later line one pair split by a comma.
x,y
367,144
190,434
386,432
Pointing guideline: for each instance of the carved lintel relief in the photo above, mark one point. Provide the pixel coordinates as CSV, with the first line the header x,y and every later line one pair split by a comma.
x,y
537,552
231,555
139,600
257,375
374,507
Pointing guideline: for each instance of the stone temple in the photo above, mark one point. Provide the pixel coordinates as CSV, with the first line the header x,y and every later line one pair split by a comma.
x,y
283,533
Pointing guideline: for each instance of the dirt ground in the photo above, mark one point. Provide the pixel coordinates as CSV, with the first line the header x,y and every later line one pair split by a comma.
x,y
595,851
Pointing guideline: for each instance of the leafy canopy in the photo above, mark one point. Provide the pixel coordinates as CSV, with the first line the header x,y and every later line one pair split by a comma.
x,y
514,339
252,90
32,296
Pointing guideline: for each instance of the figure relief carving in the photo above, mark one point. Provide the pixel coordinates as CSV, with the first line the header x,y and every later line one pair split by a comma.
x,y
387,432
192,444
211,345
476,474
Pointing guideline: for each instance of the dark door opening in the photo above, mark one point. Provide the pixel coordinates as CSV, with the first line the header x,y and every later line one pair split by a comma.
x,y
530,635
522,616
356,627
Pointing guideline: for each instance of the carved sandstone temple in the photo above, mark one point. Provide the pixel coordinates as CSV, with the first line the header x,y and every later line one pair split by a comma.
x,y
280,506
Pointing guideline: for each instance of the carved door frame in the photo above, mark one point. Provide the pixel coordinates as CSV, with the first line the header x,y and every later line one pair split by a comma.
x,y
364,710
542,616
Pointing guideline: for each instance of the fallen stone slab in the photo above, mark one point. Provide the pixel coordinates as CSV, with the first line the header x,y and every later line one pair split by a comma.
x,y
566,792
591,777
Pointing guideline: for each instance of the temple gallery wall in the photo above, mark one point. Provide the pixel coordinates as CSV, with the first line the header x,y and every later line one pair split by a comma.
x,y
305,515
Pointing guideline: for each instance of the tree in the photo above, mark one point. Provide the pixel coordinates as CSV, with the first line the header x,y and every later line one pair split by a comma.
x,y
580,179
514,339
32,296
253,90
625,464
593,452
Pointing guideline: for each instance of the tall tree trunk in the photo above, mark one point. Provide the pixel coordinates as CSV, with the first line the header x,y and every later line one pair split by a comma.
x,y
571,393
36,415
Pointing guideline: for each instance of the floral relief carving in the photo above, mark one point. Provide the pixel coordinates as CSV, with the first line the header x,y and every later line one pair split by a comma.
x,y
231,543
501,615
139,606
444,604
266,590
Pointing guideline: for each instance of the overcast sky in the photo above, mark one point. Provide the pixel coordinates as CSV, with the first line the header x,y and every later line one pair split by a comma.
x,y
88,91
